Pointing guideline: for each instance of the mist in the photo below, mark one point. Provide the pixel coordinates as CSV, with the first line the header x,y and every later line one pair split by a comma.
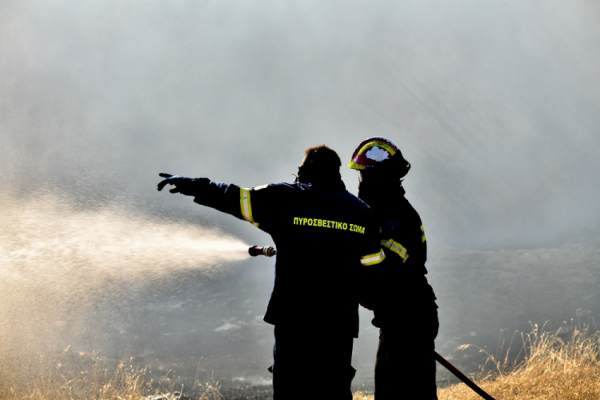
x,y
495,104
68,273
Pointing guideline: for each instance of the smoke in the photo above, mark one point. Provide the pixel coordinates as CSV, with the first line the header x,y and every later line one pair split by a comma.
x,y
495,104
61,265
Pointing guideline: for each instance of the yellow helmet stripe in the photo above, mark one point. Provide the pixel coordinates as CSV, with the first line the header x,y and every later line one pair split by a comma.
x,y
372,259
378,144
396,248
354,165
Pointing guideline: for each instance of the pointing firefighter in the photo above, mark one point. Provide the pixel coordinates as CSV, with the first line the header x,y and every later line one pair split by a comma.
x,y
397,291
324,237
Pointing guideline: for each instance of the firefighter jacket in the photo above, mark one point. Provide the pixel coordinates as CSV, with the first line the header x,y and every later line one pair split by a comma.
x,y
324,236
398,288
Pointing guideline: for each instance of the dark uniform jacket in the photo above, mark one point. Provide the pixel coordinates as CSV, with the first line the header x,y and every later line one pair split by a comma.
x,y
399,287
324,235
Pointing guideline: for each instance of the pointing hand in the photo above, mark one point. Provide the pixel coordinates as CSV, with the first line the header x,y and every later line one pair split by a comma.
x,y
183,185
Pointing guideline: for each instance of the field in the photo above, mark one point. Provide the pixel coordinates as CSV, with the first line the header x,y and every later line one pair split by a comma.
x,y
551,366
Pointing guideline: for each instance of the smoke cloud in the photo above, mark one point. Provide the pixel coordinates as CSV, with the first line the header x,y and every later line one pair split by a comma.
x,y
494,103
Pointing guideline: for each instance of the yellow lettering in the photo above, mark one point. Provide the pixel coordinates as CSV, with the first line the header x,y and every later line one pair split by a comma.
x,y
325,223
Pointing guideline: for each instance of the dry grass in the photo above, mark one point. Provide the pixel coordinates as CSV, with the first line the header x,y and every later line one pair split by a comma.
x,y
69,380
551,367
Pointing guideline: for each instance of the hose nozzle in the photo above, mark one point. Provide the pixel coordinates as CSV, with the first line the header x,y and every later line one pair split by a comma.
x,y
267,251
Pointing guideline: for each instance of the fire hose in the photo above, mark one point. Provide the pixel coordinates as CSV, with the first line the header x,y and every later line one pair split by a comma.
x,y
462,377
269,251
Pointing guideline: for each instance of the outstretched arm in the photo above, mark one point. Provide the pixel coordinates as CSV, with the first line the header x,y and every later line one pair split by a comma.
x,y
227,198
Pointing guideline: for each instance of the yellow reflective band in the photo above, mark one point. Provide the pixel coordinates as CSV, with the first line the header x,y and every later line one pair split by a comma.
x,y
354,165
373,259
246,206
423,238
378,144
396,248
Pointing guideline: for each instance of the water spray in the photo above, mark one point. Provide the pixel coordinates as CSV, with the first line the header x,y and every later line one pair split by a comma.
x,y
65,266
267,251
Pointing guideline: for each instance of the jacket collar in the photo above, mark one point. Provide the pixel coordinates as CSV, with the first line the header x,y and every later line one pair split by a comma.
x,y
327,186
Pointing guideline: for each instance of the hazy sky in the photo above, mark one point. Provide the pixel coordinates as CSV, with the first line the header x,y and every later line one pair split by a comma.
x,y
496,103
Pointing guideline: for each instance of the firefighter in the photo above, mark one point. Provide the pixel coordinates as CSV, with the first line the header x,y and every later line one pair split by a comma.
x,y
324,237
397,291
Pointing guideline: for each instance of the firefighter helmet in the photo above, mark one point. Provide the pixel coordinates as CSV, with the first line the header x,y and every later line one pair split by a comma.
x,y
374,150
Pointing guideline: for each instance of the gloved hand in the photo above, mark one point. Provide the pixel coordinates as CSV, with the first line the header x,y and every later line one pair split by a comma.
x,y
183,185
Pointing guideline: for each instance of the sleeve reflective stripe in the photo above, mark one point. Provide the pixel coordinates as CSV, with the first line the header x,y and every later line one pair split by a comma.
x,y
246,206
373,259
423,238
396,248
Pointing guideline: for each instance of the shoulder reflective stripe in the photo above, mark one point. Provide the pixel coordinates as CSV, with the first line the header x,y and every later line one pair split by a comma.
x,y
246,205
423,238
373,259
396,248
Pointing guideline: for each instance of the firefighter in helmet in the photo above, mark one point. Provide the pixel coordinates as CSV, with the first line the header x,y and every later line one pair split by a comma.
x,y
324,237
397,291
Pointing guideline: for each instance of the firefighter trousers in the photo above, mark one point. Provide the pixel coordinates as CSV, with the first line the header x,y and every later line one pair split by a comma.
x,y
406,359
311,364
